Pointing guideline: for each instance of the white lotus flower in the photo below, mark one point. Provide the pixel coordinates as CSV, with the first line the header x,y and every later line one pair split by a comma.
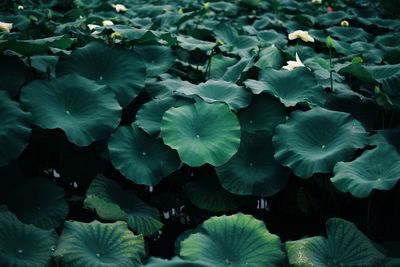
x,y
6,27
119,7
316,1
303,35
293,64
107,23
92,26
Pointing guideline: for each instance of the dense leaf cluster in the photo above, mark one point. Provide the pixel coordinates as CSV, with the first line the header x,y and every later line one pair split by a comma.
x,y
142,130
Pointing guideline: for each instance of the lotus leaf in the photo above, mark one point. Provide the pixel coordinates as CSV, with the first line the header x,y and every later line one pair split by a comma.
x,y
236,240
219,91
290,87
39,46
263,114
190,43
314,141
139,157
122,70
111,202
344,246
253,169
202,133
208,194
84,110
270,57
349,33
149,116
24,245
232,41
158,59
378,168
99,244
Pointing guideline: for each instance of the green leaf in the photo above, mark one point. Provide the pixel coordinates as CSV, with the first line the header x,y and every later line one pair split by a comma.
x,y
253,169
263,114
314,141
208,194
158,59
213,91
99,244
349,34
111,202
84,110
24,245
270,57
202,133
235,72
360,177
272,38
236,240
290,87
220,64
123,71
139,157
233,42
15,129
39,202
344,246
39,46
150,114
189,43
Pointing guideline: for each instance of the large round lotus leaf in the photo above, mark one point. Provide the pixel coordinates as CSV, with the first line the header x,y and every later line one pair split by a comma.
x,y
123,71
13,74
360,177
263,114
236,240
39,202
39,46
190,43
158,59
14,129
111,202
175,262
253,170
290,87
348,34
202,133
232,41
229,69
84,110
219,91
270,57
24,245
219,65
150,114
99,244
315,140
344,246
141,158
272,38
208,194
332,18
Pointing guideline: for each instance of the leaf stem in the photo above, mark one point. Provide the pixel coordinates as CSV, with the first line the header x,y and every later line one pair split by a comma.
x,y
330,68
